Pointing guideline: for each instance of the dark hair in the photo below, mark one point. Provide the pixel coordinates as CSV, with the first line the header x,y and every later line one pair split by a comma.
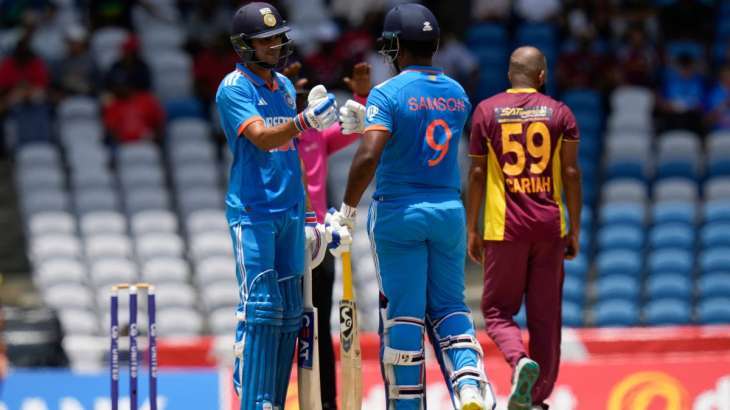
x,y
420,49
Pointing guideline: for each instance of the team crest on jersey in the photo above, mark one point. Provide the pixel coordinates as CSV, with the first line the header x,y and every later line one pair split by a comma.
x,y
290,101
372,112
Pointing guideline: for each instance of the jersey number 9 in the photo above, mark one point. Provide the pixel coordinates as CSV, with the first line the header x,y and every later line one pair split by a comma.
x,y
443,148
540,152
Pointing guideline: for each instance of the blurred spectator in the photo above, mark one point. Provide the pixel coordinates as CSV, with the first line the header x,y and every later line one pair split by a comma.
x,y
131,65
686,20
207,21
77,73
718,102
355,11
637,59
211,64
311,24
488,10
49,31
537,10
355,44
585,66
682,95
14,13
22,74
321,68
458,62
117,12
111,13
131,114
23,88
454,15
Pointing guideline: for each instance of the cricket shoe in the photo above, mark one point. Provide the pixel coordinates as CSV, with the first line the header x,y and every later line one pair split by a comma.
x,y
525,376
471,398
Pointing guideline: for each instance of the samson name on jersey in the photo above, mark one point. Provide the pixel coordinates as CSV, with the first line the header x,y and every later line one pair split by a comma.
x,y
424,111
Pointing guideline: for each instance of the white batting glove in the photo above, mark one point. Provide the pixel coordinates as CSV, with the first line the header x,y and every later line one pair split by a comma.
x,y
352,117
339,239
321,111
317,239
345,217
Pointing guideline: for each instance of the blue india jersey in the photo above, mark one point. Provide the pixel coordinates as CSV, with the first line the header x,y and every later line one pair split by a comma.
x,y
261,182
424,110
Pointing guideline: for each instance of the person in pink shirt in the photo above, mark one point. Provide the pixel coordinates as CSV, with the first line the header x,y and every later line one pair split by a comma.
x,y
314,149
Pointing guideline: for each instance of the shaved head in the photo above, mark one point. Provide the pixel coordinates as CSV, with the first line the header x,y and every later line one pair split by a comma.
x,y
527,67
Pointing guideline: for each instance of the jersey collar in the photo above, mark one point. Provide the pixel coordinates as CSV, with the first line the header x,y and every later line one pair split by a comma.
x,y
256,80
424,68
521,90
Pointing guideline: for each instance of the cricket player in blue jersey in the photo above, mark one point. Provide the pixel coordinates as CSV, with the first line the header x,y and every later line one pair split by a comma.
x,y
265,203
416,221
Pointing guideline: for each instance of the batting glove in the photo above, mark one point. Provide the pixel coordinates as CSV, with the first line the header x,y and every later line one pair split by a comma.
x,y
316,237
345,217
339,239
352,117
321,111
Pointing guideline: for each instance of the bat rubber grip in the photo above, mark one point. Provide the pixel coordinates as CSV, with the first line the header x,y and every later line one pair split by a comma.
x,y
347,292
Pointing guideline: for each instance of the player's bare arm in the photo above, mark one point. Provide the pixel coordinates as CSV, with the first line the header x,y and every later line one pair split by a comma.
x,y
474,196
267,138
571,182
364,164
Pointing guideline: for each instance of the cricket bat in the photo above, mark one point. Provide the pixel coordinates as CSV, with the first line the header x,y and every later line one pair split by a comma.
x,y
350,355
310,396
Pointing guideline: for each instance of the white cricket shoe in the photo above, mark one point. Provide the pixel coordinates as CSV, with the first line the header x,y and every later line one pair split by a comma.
x,y
524,377
471,398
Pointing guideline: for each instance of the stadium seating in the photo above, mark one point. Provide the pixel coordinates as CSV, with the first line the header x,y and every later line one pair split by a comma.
x,y
618,287
714,310
674,260
672,235
613,313
718,154
669,285
667,312
714,285
619,262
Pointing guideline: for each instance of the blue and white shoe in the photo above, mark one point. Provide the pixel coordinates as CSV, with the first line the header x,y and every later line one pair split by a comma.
x,y
524,377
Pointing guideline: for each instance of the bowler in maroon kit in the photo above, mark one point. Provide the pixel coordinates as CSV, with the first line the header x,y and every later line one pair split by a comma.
x,y
524,149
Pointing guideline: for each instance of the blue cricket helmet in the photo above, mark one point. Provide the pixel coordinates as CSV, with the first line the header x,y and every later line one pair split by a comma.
x,y
258,20
410,22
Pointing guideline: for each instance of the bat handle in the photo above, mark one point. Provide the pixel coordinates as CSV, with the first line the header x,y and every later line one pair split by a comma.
x,y
347,292
307,288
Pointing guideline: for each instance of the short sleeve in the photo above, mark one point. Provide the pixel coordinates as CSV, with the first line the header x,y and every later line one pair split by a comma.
x,y
378,112
568,124
478,138
237,109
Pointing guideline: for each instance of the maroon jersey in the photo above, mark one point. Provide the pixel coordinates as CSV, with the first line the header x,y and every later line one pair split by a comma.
x,y
520,132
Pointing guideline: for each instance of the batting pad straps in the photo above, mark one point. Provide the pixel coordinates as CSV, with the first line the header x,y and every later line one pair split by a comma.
x,y
467,372
415,392
461,342
403,320
402,357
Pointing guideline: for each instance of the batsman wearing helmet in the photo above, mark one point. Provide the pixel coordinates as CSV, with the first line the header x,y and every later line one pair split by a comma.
x,y
416,221
265,203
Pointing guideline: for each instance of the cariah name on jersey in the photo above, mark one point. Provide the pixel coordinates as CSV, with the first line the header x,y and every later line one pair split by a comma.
x,y
531,185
